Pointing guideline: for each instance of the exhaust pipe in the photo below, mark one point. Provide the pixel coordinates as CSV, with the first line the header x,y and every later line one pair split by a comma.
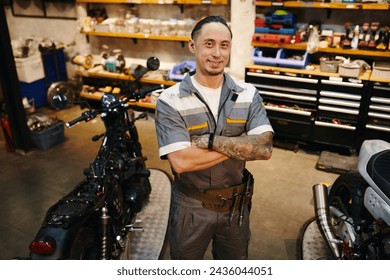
x,y
322,214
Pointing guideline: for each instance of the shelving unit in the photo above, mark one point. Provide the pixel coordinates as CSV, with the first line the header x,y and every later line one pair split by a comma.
x,y
159,2
137,36
121,76
322,107
323,5
340,51
329,7
114,77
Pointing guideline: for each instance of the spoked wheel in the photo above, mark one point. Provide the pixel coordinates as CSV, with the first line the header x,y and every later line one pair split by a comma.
x,y
84,246
347,194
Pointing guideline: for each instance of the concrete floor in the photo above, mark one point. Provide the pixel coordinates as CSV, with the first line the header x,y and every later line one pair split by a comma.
x,y
31,183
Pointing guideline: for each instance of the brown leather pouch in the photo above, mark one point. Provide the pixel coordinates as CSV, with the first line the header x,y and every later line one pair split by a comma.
x,y
224,198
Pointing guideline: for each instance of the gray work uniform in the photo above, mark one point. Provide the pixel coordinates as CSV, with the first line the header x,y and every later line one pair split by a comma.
x,y
180,113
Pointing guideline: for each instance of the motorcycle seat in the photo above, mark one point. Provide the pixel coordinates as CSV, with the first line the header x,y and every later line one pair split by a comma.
x,y
378,167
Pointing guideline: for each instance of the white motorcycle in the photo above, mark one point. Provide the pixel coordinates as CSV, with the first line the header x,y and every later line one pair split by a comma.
x,y
353,215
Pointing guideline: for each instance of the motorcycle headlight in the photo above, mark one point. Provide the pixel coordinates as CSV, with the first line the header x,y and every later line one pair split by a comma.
x,y
109,99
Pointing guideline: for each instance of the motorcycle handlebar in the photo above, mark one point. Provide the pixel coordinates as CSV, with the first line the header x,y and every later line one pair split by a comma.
x,y
85,116
88,115
144,92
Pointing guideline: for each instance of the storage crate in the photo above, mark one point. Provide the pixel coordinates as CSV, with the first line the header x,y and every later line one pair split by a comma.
x,y
30,69
259,22
268,30
282,18
280,57
350,70
271,38
178,71
49,137
266,56
293,59
380,70
328,64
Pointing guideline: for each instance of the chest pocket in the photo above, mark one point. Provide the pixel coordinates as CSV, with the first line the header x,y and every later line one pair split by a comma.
x,y
199,128
235,127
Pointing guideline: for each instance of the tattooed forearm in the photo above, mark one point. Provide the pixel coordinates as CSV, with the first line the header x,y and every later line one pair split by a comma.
x,y
246,147
201,141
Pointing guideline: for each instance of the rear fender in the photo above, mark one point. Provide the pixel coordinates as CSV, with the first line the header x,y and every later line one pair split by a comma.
x,y
62,238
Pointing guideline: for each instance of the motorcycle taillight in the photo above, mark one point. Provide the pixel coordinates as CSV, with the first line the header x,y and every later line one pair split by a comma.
x,y
42,247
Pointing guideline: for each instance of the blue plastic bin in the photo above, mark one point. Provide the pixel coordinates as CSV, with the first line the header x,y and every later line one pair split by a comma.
x,y
280,57
266,57
49,137
285,59
36,90
178,71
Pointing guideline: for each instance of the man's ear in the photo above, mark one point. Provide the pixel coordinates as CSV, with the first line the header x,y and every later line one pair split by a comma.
x,y
191,45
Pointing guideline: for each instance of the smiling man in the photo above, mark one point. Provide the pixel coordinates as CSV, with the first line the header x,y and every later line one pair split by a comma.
x,y
208,126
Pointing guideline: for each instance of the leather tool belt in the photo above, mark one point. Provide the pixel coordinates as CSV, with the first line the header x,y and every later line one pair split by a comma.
x,y
222,200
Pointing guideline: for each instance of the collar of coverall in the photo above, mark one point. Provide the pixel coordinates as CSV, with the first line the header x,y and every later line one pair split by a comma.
x,y
187,88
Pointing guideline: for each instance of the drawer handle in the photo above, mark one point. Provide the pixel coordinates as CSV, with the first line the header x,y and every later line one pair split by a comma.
x,y
339,110
286,78
290,111
289,96
335,83
375,127
377,115
334,125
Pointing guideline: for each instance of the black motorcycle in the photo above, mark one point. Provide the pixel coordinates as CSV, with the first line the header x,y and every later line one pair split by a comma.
x,y
353,215
94,220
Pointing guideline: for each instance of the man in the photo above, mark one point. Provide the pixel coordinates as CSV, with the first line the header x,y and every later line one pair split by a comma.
x,y
208,126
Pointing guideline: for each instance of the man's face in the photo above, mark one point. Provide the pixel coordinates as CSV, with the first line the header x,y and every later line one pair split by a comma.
x,y
212,49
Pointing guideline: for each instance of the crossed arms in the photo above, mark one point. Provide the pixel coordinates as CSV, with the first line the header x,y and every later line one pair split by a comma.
x,y
198,156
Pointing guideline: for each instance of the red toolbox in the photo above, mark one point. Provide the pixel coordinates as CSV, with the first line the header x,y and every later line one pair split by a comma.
x,y
272,38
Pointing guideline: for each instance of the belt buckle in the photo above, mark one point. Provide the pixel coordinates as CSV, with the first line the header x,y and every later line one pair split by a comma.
x,y
221,197
220,205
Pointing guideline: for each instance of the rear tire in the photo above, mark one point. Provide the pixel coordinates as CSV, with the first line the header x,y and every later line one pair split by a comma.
x,y
347,194
84,246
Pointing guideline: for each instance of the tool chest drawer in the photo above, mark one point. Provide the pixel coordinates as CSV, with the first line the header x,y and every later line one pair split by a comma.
x,y
290,102
321,109
338,112
378,113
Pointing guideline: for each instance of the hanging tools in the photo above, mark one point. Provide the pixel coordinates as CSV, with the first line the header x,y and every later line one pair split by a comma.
x,y
246,197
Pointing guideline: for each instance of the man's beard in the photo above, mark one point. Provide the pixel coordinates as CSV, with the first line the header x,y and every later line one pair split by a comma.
x,y
214,72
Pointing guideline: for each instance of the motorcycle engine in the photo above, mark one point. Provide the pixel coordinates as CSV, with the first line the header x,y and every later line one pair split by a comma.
x,y
134,193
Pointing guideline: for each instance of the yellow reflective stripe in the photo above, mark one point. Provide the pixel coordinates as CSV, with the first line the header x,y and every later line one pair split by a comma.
x,y
198,126
229,120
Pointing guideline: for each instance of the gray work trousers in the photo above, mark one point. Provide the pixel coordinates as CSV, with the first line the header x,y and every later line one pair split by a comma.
x,y
192,228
